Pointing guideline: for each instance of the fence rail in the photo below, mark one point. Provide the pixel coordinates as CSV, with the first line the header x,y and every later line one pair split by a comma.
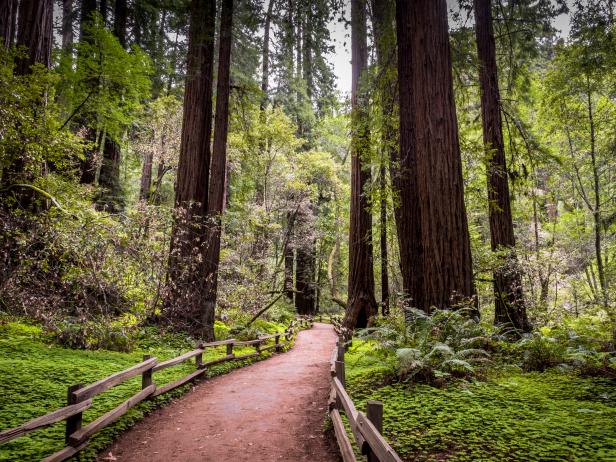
x,y
80,396
365,427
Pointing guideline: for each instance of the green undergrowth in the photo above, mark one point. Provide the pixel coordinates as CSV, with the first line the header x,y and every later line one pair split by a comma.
x,y
35,374
512,416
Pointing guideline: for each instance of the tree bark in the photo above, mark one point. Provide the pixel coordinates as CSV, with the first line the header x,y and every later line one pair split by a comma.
x,y
111,197
384,14
218,183
119,25
35,33
435,245
8,21
265,58
186,268
67,26
146,176
508,295
361,303
305,295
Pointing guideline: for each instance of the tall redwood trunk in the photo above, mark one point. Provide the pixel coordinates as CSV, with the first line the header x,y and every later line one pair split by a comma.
x,y
145,183
305,296
87,165
35,33
8,22
435,245
508,296
112,196
361,304
384,14
218,180
119,25
186,269
67,25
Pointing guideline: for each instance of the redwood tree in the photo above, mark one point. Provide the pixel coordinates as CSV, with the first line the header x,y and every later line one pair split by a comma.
x,y
218,180
361,304
35,33
186,269
435,245
508,296
8,22
383,19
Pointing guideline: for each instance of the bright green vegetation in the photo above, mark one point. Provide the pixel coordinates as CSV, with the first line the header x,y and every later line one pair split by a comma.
x,y
34,376
512,416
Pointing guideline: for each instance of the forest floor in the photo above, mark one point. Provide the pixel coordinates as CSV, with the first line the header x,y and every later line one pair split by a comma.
x,y
270,411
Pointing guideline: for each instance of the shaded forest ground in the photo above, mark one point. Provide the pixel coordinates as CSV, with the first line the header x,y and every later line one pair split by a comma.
x,y
35,374
510,416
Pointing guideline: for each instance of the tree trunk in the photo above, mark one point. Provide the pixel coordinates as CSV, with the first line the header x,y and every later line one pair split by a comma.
x,y
186,269
119,25
384,14
67,25
435,245
596,212
8,21
218,183
361,303
111,197
508,295
288,273
35,33
103,11
305,295
146,176
265,58
88,7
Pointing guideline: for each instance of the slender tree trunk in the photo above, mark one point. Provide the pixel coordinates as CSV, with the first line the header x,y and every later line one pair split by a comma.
x,y
67,26
435,244
596,212
146,176
119,25
186,269
383,236
384,14
265,58
361,305
288,272
218,183
8,21
508,295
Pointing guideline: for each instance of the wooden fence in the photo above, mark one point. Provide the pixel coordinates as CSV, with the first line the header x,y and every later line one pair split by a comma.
x,y
80,397
366,428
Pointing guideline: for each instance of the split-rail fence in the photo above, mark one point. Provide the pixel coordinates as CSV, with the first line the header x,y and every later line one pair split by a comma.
x,y
80,396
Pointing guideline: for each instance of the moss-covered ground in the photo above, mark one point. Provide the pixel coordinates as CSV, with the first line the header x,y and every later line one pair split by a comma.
x,y
35,374
512,416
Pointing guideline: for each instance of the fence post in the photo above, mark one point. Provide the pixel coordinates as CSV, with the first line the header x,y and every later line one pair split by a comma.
x,y
374,413
340,375
340,349
199,359
277,340
146,376
229,349
73,423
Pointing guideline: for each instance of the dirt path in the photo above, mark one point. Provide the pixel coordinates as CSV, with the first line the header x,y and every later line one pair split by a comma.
x,y
273,410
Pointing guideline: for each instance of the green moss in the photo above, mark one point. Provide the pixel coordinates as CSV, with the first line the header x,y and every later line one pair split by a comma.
x,y
34,377
513,416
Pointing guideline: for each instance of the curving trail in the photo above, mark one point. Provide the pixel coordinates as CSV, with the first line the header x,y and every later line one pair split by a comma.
x,y
273,410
